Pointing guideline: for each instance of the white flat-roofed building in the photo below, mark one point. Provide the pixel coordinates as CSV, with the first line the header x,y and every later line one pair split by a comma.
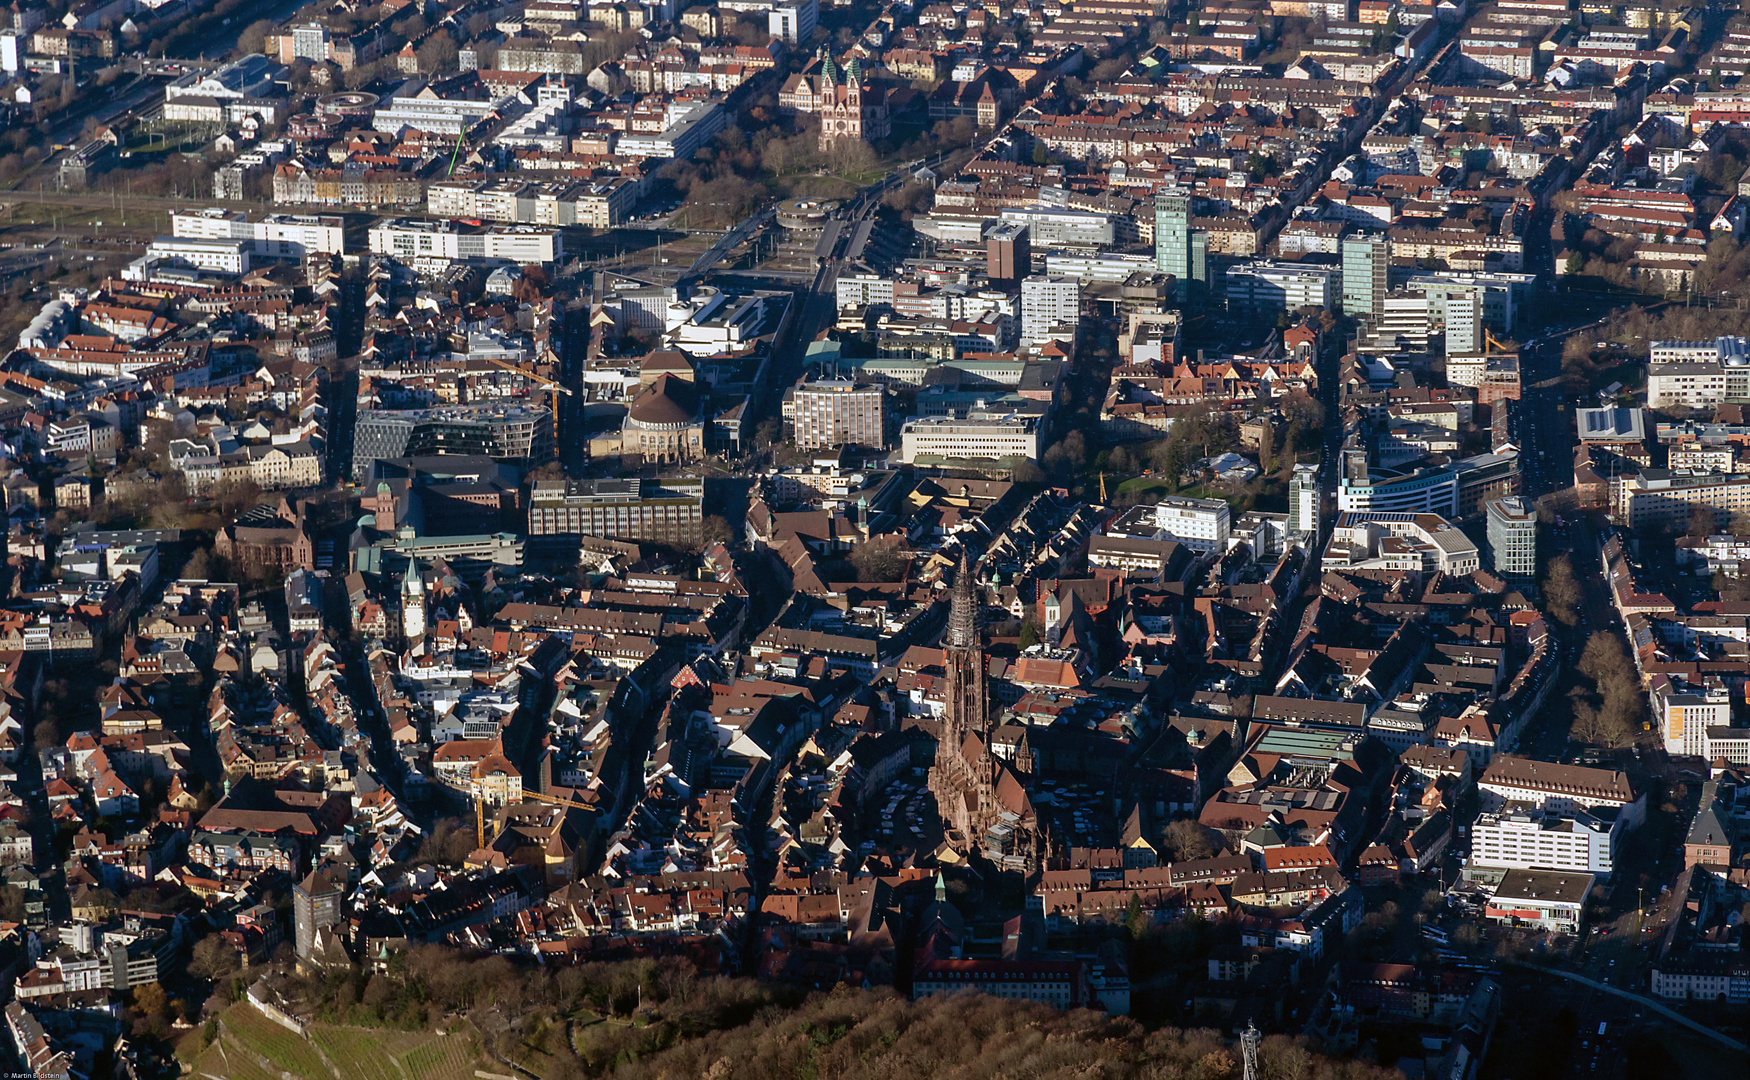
x,y
1423,491
838,412
1692,384
1685,713
1657,496
1047,303
439,116
409,238
1107,266
681,138
224,256
1697,374
1274,287
282,236
793,21
1525,839
1721,349
1550,899
1050,226
1202,525
869,289
1015,435
1425,542
1512,532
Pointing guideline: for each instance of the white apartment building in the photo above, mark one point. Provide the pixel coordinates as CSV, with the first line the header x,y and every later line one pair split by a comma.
x,y
1048,302
1660,497
1532,840
1303,500
1015,435
1685,713
1709,555
1464,323
1203,525
1689,383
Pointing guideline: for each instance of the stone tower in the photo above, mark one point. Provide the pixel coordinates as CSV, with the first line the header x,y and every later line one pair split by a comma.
x,y
955,778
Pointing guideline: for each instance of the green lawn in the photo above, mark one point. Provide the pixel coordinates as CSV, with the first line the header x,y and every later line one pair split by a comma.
x,y
1142,485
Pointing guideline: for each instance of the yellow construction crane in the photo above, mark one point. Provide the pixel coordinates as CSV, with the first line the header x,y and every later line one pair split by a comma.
x,y
1491,343
528,796
553,390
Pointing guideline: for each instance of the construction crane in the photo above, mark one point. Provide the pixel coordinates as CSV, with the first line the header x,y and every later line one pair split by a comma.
x,y
454,154
1491,343
568,803
553,390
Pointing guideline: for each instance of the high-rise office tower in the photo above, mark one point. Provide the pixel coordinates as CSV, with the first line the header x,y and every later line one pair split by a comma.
x,y
1512,531
1008,253
1464,323
1173,236
1303,500
1366,269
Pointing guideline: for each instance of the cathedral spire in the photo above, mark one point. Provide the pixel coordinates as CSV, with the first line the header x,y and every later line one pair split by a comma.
x,y
963,612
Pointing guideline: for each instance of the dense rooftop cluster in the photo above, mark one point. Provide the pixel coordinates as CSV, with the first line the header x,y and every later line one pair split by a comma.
x,y
1125,506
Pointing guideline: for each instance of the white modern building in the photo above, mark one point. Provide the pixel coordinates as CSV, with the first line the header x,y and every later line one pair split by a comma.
x,y
1015,435
1268,288
1303,500
1722,349
1203,525
793,21
272,236
685,133
1685,714
409,238
1422,491
1512,531
1388,541
837,412
1051,226
1464,323
1698,374
1047,303
221,256
1524,839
